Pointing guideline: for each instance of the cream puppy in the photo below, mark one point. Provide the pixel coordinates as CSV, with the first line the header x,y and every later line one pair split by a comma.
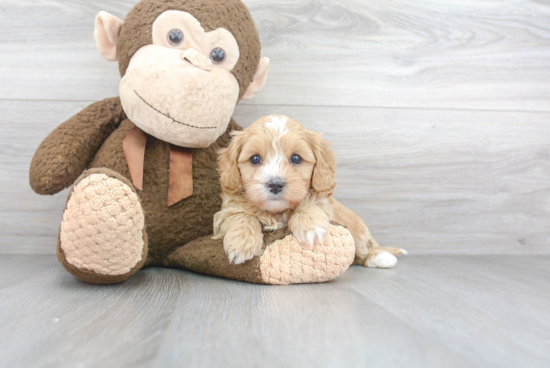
x,y
276,173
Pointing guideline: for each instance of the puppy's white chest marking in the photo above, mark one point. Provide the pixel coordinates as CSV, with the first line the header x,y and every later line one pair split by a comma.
x,y
274,227
277,222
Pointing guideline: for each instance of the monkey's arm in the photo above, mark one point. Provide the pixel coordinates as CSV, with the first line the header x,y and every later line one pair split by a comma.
x,y
68,150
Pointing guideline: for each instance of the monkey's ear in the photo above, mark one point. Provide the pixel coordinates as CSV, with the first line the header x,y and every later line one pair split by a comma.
x,y
107,30
259,79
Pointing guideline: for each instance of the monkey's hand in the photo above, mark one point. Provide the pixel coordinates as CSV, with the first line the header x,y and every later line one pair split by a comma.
x,y
309,223
68,150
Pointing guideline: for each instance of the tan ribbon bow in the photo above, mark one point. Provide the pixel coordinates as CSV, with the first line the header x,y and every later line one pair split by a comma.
x,y
180,181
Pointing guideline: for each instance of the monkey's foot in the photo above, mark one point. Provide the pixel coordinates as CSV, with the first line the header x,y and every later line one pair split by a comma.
x,y
284,260
102,238
287,261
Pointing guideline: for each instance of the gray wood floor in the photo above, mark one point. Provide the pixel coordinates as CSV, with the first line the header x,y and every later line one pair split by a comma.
x,y
438,311
439,114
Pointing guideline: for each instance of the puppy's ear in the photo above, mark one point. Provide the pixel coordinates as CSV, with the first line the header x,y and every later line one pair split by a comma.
x,y
323,178
230,176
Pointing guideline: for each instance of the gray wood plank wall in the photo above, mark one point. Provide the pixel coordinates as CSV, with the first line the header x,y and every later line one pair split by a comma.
x,y
438,111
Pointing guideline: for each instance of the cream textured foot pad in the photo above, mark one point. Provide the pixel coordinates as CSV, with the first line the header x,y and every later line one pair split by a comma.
x,y
102,227
287,261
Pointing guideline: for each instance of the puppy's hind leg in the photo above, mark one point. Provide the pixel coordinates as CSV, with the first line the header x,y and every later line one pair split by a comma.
x,y
370,254
395,251
367,251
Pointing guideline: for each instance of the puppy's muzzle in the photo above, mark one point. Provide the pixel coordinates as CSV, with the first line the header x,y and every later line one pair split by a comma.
x,y
276,186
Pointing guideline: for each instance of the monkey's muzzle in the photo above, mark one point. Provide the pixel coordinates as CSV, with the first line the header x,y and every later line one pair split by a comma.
x,y
197,59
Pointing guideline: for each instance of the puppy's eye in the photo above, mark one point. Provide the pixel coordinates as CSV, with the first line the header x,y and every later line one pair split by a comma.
x,y
255,160
295,159
175,37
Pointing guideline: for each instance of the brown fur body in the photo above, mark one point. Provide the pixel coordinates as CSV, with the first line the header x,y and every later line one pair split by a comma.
x,y
93,139
169,227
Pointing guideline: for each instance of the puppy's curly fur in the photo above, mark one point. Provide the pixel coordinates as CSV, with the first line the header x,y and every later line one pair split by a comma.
x,y
277,173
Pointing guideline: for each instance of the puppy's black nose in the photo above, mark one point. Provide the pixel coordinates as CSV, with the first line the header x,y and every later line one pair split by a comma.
x,y
276,186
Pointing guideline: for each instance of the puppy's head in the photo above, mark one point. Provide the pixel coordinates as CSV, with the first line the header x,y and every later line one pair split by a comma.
x,y
275,163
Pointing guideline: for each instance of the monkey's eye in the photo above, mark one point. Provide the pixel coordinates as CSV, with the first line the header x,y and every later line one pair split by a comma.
x,y
217,55
255,160
175,37
295,159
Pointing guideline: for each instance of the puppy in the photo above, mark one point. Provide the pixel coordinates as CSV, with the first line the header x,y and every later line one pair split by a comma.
x,y
276,173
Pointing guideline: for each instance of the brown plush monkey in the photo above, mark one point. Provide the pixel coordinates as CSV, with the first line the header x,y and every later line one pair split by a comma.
x,y
143,166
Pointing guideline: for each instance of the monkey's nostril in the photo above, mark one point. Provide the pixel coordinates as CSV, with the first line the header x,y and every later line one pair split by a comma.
x,y
197,59
276,187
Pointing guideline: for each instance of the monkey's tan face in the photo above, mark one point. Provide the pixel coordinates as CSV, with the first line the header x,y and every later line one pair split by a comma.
x,y
180,89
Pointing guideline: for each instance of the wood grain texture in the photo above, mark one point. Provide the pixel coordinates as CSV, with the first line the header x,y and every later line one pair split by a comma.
x,y
109,326
439,311
430,54
455,182
443,165
439,181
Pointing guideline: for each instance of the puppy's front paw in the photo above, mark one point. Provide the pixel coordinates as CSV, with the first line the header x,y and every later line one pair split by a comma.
x,y
308,228
242,243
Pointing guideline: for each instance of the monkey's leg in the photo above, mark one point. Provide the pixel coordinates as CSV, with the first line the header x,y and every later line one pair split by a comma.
x,y
284,260
102,237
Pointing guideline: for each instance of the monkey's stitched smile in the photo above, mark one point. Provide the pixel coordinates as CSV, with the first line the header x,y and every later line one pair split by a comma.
x,y
169,117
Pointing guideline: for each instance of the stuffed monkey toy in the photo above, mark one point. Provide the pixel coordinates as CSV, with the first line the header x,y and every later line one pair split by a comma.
x,y
143,166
